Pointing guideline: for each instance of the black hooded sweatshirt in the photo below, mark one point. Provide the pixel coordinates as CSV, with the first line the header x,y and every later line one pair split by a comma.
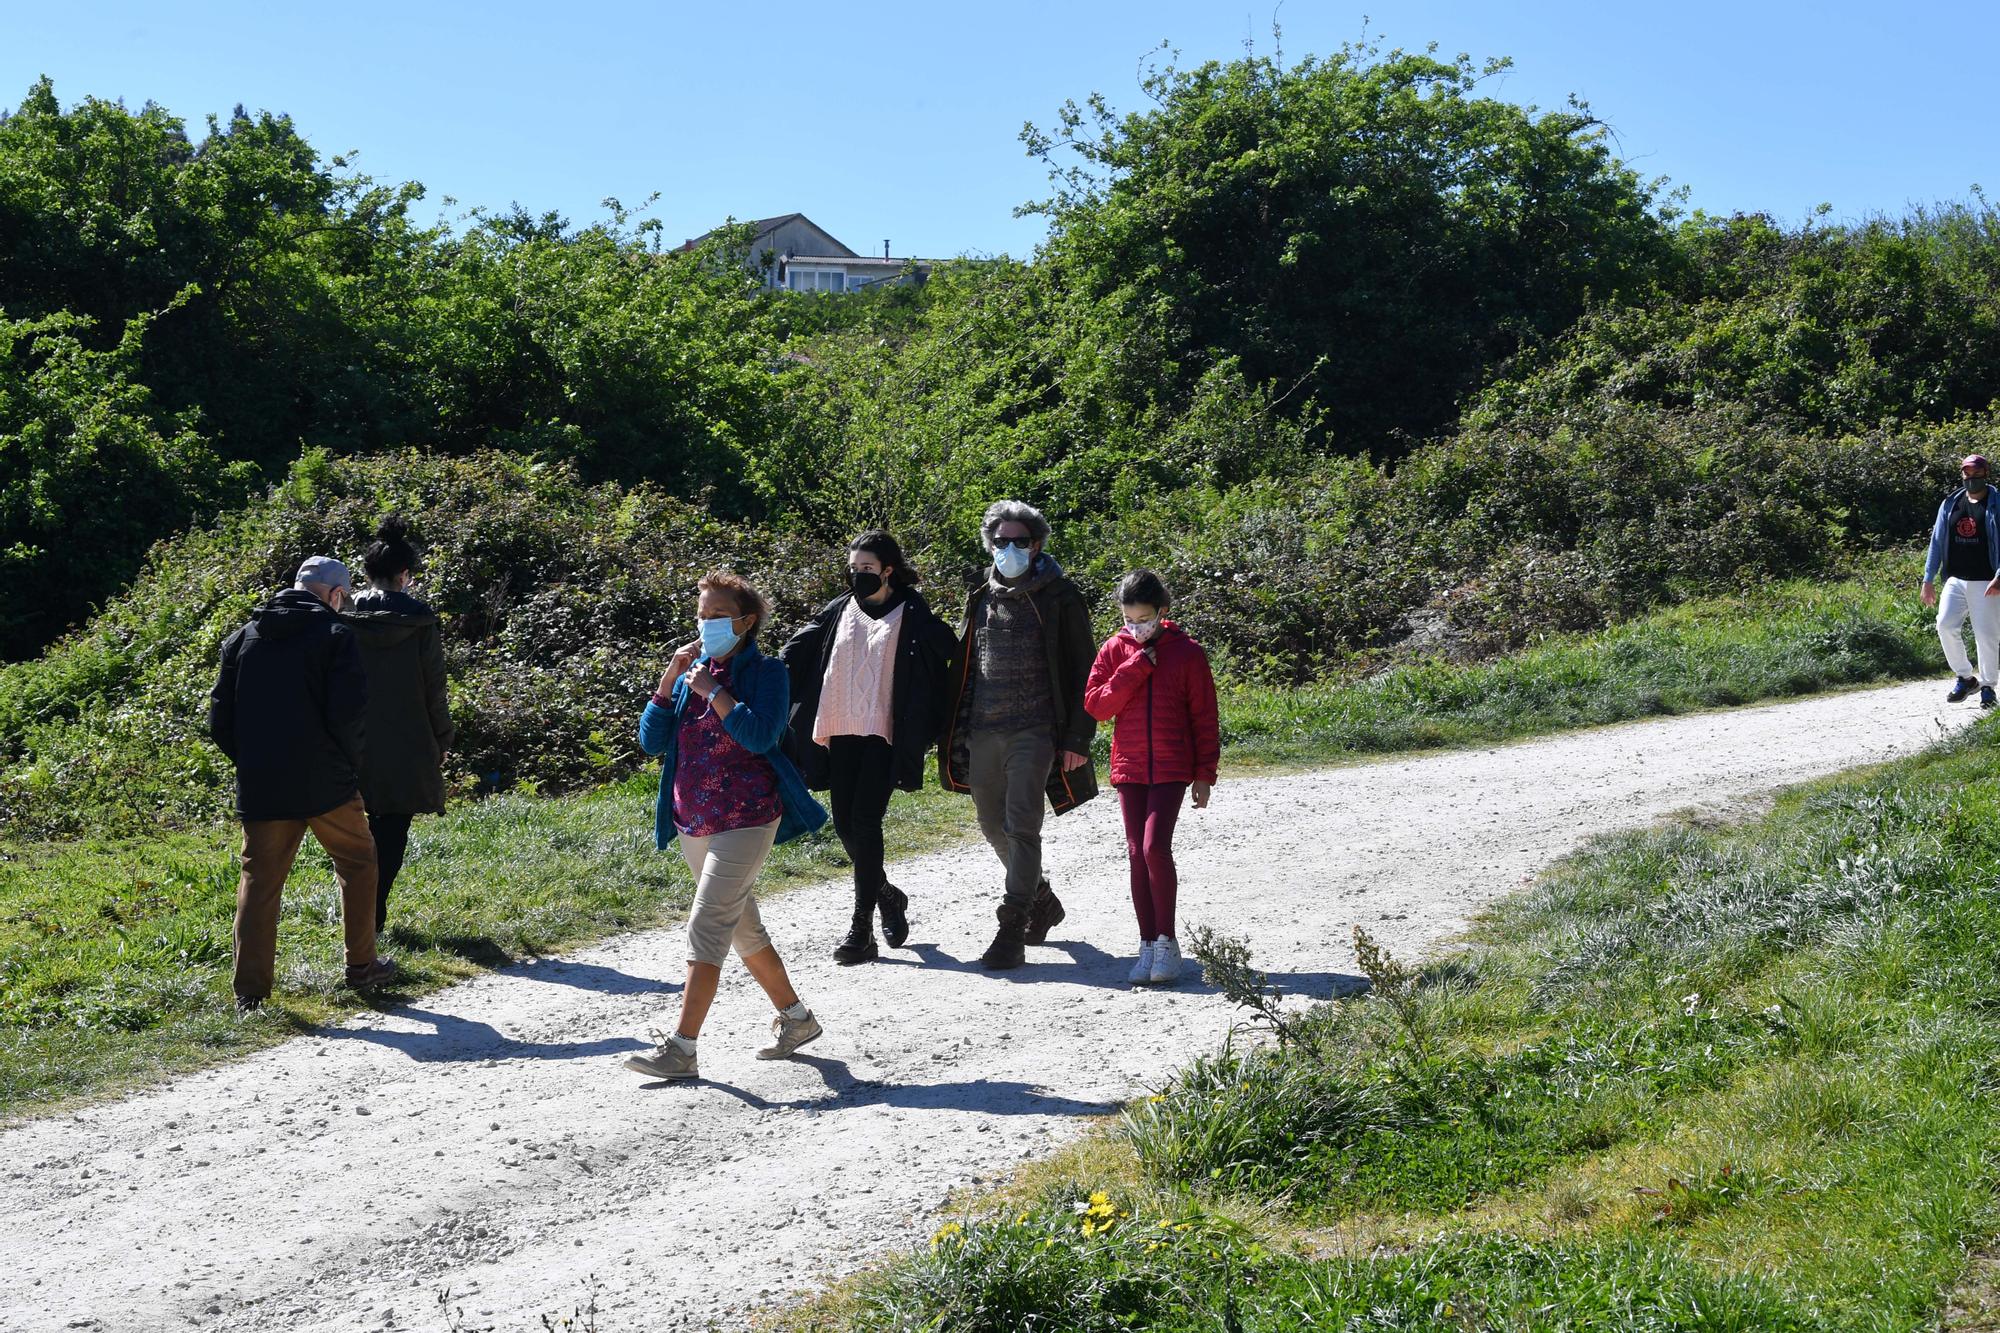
x,y
288,709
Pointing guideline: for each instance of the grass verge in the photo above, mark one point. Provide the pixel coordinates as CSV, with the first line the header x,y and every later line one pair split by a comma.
x,y
114,955
1716,1080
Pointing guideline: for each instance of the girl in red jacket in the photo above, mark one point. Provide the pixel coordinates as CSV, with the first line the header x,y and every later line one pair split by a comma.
x,y
1154,680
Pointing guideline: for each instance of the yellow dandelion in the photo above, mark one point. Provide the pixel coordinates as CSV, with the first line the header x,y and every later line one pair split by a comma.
x,y
1099,1199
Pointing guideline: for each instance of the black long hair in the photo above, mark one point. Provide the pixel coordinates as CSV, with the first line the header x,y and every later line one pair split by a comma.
x,y
390,553
878,543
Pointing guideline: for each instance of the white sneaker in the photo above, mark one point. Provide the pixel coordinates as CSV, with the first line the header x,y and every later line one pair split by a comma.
x,y
788,1034
669,1060
1166,960
1142,971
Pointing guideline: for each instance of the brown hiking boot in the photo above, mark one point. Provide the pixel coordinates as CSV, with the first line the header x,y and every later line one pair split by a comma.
x,y
1045,914
1007,948
370,975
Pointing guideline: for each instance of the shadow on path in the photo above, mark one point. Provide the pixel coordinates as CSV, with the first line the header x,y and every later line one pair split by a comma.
x,y
591,977
1091,966
462,1039
991,1096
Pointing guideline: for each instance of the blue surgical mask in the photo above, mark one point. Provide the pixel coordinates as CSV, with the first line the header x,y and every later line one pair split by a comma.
x,y
1011,561
718,638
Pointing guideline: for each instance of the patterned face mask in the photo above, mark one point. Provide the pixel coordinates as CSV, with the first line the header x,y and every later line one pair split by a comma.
x,y
1143,630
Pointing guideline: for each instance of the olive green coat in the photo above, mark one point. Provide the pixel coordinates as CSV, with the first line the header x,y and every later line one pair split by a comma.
x,y
408,719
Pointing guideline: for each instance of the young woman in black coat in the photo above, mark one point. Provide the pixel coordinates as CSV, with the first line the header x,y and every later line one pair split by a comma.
x,y
868,693
408,719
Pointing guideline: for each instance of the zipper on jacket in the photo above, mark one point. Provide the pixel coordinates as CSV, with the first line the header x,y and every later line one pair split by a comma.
x,y
1149,723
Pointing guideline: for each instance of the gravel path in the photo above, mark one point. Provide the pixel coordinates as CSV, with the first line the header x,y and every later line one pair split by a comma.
x,y
484,1139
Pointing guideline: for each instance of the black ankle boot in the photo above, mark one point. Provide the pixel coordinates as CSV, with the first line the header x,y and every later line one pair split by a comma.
x,y
1045,914
859,946
1006,950
895,914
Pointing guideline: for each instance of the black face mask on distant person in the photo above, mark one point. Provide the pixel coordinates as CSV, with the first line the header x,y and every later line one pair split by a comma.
x,y
865,582
1975,484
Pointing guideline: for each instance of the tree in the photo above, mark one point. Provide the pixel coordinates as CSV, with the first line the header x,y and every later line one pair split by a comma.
x,y
1365,231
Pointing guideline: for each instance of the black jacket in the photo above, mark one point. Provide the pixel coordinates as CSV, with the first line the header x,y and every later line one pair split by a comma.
x,y
916,692
409,720
1072,647
288,708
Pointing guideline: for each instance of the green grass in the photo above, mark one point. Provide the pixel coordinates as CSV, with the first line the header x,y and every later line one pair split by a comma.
x,y
114,954
1735,1079
1772,642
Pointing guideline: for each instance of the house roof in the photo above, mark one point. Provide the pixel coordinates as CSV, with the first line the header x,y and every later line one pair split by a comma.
x,y
851,261
765,226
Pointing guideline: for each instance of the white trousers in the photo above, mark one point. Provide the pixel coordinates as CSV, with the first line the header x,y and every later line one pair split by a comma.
x,y
1959,601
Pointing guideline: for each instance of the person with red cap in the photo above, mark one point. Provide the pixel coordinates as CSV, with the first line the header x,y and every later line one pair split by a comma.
x,y
1965,549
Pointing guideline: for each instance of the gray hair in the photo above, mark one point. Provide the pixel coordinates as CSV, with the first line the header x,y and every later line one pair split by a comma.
x,y
1012,511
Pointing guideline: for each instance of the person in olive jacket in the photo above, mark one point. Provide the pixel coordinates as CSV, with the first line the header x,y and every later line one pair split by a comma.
x,y
1016,730
409,720
287,708
868,692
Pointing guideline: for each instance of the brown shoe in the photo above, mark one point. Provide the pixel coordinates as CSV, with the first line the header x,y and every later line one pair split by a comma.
x,y
1045,914
1006,951
370,975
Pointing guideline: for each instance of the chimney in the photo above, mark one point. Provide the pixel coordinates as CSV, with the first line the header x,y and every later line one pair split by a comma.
x,y
885,247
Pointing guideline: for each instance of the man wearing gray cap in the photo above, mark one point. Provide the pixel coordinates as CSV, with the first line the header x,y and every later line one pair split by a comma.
x,y
287,709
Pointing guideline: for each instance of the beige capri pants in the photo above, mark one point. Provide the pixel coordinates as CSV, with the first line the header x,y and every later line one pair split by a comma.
x,y
725,867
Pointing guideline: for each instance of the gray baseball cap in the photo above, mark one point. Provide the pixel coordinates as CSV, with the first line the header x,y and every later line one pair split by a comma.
x,y
325,569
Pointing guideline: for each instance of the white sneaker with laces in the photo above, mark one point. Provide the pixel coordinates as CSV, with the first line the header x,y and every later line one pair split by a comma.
x,y
669,1060
1142,971
788,1034
1166,960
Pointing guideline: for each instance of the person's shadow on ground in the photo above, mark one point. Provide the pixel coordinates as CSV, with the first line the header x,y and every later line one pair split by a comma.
x,y
1090,966
591,977
991,1096
465,1040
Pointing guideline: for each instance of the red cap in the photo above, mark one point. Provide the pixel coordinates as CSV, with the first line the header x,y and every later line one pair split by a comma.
x,y
1974,460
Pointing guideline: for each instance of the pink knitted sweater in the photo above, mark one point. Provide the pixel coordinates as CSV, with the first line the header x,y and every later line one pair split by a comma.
x,y
856,696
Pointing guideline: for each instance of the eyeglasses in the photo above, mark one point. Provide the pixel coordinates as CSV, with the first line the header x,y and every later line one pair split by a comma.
x,y
1018,543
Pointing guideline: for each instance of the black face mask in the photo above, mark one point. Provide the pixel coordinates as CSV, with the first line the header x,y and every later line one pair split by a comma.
x,y
866,583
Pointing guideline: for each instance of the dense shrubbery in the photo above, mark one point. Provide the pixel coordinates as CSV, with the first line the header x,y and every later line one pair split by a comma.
x,y
562,601
1825,329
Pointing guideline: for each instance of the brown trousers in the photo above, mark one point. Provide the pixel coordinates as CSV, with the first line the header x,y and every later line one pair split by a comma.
x,y
269,847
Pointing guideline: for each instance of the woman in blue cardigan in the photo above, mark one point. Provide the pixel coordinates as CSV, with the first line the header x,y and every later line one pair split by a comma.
x,y
729,796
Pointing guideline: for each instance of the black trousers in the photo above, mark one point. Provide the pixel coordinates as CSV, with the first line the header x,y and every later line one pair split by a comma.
x,y
392,840
862,778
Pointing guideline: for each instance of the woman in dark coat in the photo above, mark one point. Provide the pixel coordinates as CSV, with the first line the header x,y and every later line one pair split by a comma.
x,y
408,718
868,681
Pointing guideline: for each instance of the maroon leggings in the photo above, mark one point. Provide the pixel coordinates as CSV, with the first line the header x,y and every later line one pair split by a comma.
x,y
1151,810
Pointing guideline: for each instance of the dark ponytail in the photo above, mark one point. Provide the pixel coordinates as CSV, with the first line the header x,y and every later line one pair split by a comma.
x,y
390,553
885,548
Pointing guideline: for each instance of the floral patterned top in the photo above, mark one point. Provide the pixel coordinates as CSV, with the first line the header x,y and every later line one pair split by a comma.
x,y
718,785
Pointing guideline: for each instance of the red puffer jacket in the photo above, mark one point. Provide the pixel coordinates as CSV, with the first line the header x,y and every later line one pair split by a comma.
x,y
1167,728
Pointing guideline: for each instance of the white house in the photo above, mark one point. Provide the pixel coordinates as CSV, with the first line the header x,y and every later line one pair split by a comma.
x,y
796,254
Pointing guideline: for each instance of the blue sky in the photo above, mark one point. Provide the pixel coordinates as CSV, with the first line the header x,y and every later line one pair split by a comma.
x,y
900,121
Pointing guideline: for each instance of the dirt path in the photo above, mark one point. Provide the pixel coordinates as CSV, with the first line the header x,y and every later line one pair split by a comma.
x,y
485,1140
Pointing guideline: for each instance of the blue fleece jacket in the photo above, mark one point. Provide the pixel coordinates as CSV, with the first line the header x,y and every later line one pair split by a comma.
x,y
763,690
1934,563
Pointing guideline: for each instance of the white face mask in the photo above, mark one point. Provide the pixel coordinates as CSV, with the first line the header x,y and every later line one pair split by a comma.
x,y
1011,561
1142,630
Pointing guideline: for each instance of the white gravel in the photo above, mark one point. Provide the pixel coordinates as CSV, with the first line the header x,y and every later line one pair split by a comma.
x,y
484,1139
